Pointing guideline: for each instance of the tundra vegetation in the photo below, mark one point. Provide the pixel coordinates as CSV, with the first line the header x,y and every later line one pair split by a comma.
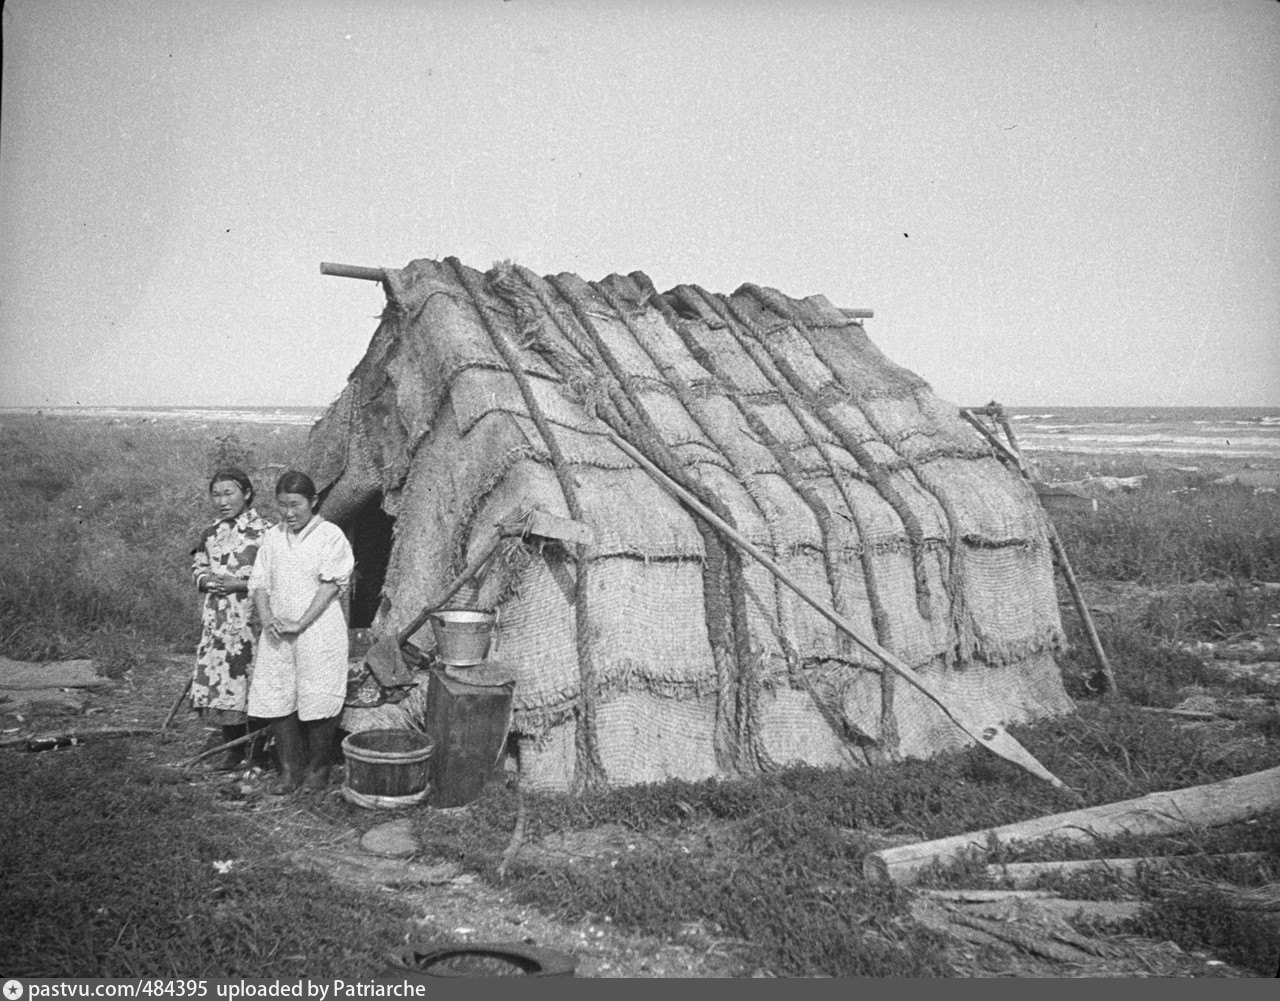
x,y
107,852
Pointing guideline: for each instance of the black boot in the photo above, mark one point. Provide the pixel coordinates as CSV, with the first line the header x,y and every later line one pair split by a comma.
x,y
320,734
291,748
232,758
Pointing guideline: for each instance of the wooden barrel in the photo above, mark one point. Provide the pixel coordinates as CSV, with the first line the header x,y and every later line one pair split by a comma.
x,y
390,764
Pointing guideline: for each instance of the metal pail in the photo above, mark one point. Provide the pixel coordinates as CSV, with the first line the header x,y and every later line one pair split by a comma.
x,y
462,635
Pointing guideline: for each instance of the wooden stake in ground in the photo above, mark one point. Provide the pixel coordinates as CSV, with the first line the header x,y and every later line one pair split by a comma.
x,y
1226,802
992,736
1014,457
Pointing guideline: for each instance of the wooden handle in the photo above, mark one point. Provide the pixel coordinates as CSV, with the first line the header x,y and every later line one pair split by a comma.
x,y
472,569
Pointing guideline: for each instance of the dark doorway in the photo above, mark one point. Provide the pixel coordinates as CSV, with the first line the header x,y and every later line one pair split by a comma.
x,y
370,531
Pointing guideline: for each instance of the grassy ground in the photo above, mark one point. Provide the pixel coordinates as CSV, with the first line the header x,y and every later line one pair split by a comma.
x,y
95,523
97,520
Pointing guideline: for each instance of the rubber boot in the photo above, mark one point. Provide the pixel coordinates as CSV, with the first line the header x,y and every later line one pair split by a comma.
x,y
232,758
258,750
320,734
291,747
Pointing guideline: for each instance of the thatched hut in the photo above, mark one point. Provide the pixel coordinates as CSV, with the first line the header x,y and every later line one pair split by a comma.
x,y
659,650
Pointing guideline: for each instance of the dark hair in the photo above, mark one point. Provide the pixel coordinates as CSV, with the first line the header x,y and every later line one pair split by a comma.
x,y
295,482
237,476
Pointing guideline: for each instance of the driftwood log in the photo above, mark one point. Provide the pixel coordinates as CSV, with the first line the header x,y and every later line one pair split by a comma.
x,y
1226,802
1024,874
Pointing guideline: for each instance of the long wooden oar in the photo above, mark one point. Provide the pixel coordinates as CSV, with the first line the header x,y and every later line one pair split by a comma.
x,y
992,736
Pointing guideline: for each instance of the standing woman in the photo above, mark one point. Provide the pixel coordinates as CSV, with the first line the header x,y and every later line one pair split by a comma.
x,y
221,563
300,668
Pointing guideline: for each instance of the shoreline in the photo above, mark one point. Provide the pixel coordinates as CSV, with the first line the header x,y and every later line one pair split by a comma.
x,y
1086,441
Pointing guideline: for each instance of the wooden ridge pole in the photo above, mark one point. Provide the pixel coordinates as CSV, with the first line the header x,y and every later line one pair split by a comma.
x,y
991,736
353,271
1059,555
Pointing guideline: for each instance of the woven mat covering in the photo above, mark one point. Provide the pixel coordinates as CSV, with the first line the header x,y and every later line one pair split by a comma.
x,y
913,638
547,760
629,513
418,396
792,731
631,358
665,347
538,637
645,738
651,629
800,357
726,417
1011,596
1031,690
991,504
669,414
731,359
477,392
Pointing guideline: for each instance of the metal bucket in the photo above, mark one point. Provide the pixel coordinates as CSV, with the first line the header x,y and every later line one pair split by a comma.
x,y
462,635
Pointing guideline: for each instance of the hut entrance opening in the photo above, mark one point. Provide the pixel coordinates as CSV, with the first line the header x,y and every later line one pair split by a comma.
x,y
370,531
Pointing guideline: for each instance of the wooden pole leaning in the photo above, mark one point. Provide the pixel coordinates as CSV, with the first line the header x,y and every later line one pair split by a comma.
x,y
177,704
991,736
1059,557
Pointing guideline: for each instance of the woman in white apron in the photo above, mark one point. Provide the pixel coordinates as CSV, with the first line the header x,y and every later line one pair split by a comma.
x,y
300,666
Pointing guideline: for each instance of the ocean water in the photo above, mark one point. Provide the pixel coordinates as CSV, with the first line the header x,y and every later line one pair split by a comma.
x,y
305,416
1225,432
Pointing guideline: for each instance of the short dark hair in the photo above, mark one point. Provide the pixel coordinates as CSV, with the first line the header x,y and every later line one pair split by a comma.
x,y
239,477
295,482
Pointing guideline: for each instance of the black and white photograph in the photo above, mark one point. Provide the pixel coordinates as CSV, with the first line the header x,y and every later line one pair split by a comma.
x,y
655,489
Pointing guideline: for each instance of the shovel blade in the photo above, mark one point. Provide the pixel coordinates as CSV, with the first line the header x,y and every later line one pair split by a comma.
x,y
387,663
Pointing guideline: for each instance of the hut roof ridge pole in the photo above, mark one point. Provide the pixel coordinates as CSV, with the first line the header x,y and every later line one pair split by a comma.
x,y
994,737
353,271
1012,455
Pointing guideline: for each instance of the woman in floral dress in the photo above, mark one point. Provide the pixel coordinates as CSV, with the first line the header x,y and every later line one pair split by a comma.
x,y
221,564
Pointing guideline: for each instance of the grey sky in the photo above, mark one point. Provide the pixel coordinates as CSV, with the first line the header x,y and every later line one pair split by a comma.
x,y
1057,203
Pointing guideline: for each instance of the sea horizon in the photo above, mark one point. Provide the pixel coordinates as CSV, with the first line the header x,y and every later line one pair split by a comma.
x,y
1175,431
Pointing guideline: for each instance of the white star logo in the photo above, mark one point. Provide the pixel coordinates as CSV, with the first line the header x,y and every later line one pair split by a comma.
x,y
12,990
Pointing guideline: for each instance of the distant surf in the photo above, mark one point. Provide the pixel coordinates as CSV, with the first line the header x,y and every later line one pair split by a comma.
x,y
1228,432
305,416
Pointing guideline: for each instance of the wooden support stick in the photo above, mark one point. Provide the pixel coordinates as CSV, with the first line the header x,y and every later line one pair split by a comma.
x,y
1022,874
992,736
53,741
265,731
1109,690
858,314
177,704
353,271
1161,813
